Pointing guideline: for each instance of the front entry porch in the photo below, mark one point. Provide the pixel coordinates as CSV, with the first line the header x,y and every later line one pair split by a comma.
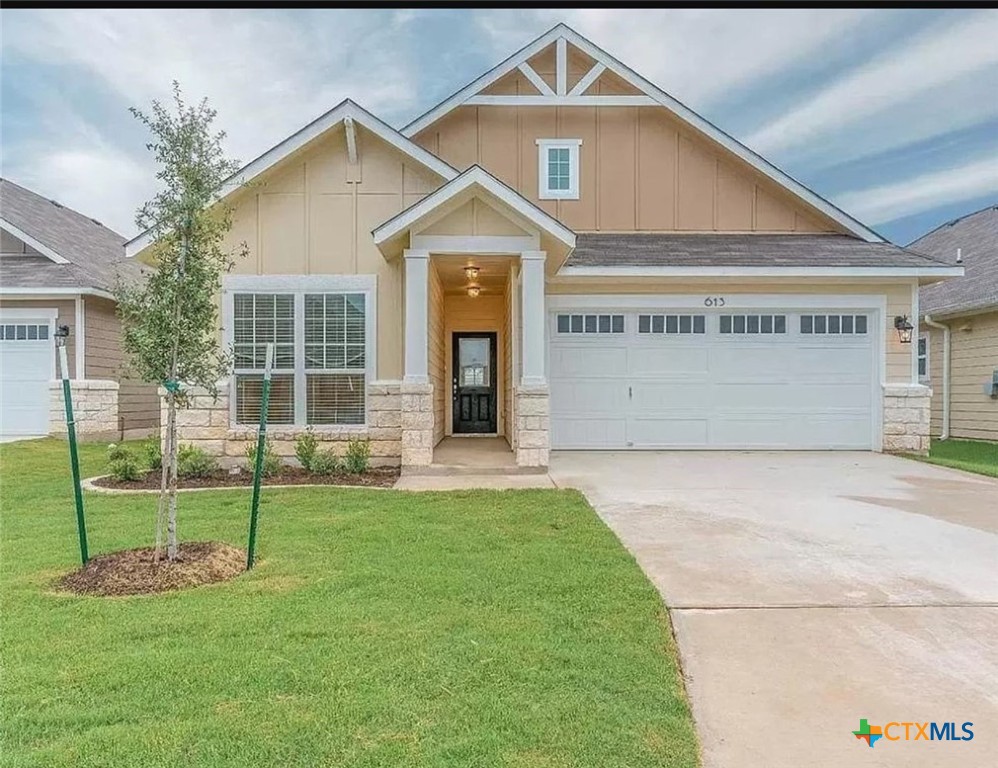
x,y
473,455
475,255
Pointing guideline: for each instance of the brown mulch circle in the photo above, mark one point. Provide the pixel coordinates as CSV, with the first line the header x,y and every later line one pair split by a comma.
x,y
374,478
133,572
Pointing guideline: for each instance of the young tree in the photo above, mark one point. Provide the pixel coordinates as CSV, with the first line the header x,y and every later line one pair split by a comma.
x,y
170,321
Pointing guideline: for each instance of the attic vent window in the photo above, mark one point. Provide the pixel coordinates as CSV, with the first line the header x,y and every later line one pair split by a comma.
x,y
558,169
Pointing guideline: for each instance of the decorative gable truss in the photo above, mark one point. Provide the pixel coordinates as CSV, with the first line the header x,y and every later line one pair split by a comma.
x,y
564,69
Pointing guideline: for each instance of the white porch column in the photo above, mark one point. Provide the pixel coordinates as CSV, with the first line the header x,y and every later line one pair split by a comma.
x,y
533,423
416,389
532,318
417,265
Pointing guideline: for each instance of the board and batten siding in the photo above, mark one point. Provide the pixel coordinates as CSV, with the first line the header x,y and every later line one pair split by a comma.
x,y
898,367
640,170
973,358
314,213
138,402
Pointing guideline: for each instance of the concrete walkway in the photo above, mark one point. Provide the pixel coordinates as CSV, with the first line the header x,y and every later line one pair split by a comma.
x,y
810,590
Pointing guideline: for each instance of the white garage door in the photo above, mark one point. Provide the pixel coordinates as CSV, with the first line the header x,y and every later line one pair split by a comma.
x,y
27,355
770,378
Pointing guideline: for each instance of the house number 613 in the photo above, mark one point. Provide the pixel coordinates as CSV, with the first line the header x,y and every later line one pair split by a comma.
x,y
714,301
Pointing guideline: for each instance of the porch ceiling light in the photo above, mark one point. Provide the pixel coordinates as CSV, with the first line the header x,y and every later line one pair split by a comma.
x,y
904,328
473,291
471,273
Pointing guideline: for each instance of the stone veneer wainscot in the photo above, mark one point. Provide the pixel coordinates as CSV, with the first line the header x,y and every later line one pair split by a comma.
x,y
206,424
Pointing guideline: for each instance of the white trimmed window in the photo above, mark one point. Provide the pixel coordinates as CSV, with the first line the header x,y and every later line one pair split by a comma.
x,y
558,169
322,329
923,356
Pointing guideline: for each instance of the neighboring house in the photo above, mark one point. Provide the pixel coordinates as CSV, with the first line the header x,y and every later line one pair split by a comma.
x,y
562,255
958,346
57,268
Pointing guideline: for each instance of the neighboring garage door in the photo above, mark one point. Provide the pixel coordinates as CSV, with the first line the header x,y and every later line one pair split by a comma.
x,y
770,378
27,355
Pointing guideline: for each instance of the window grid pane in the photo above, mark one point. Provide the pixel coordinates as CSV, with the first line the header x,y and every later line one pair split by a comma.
x,y
754,324
334,398
672,325
249,392
259,319
590,324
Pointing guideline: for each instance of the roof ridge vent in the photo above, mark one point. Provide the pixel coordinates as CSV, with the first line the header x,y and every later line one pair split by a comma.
x,y
96,222
56,203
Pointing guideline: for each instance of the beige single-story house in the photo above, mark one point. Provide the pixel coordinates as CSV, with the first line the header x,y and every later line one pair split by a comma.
x,y
559,256
58,269
958,344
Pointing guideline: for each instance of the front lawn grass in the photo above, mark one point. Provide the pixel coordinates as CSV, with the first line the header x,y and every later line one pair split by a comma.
x,y
969,455
380,628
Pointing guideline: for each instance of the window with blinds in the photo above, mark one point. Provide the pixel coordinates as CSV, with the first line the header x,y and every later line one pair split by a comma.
x,y
318,379
259,319
334,358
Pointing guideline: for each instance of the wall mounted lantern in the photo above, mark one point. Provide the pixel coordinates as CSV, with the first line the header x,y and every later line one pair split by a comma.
x,y
61,334
904,328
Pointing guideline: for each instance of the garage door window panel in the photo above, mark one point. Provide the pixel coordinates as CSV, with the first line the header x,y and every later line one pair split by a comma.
x,y
590,324
753,324
833,325
672,325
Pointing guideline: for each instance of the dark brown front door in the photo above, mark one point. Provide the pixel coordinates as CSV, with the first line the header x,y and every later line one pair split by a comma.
x,y
473,380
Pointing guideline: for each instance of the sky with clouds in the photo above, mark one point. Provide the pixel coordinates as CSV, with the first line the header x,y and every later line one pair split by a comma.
x,y
891,114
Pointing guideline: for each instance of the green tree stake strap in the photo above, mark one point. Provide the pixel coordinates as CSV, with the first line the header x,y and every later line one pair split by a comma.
x,y
74,457
261,444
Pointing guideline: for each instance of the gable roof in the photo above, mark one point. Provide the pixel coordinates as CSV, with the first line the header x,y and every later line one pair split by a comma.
x,y
76,252
343,111
976,234
657,96
474,176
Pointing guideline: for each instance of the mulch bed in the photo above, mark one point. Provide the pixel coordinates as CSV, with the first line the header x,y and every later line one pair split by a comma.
x,y
373,478
133,571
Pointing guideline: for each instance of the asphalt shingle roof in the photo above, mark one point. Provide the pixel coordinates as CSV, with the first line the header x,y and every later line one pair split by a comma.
x,y
977,235
96,253
740,250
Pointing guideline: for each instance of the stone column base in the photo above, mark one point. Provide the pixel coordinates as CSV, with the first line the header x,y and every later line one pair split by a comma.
x,y
906,418
417,424
95,409
533,426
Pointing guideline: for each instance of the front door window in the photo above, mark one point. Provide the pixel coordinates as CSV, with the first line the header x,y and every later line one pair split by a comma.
x,y
473,381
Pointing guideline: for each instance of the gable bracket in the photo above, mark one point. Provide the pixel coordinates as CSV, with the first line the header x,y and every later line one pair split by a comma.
x,y
351,140
588,79
535,79
562,65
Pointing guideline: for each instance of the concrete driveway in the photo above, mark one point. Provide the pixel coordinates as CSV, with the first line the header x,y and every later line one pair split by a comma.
x,y
809,590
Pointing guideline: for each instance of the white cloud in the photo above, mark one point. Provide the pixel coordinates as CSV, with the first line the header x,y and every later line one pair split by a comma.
x,y
697,56
267,74
913,76
924,192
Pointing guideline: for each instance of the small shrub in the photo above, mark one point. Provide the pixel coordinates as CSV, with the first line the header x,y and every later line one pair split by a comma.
x,y
358,457
154,453
122,463
306,447
325,463
193,461
271,461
